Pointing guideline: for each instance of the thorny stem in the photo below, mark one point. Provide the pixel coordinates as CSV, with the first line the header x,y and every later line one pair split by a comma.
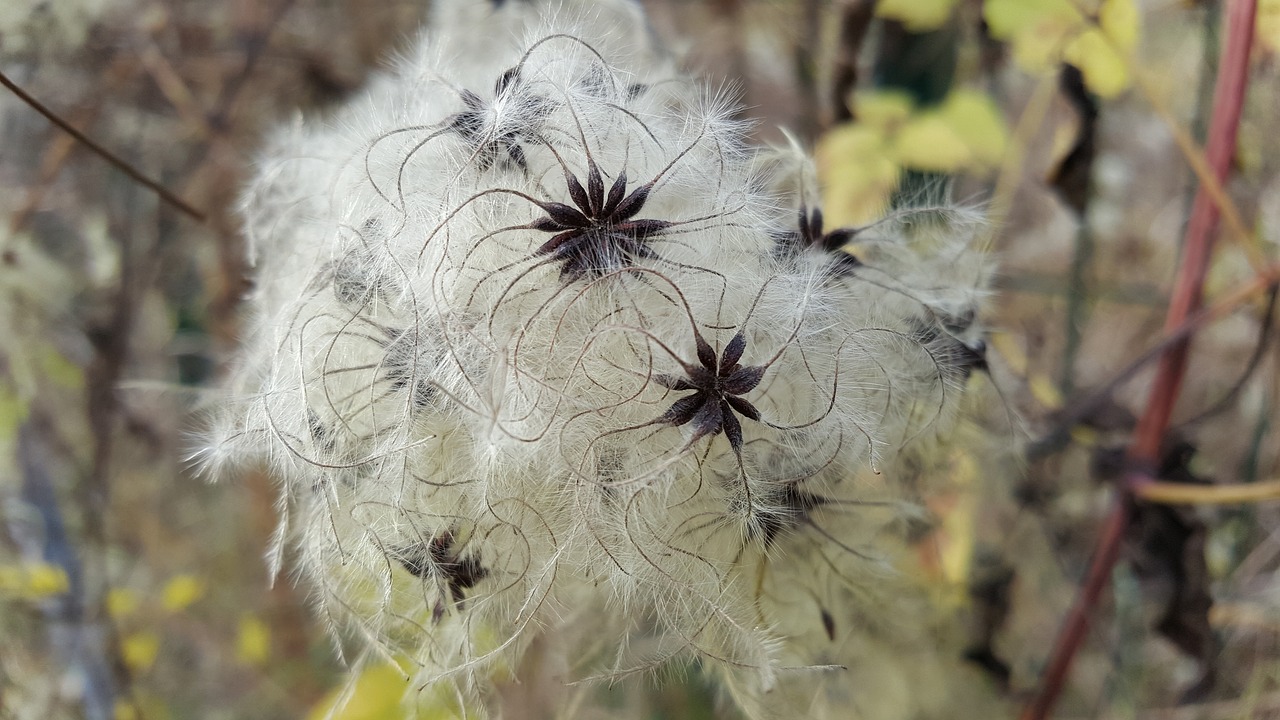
x,y
1227,102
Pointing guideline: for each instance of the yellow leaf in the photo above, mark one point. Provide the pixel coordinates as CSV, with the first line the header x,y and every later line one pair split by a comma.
x,y
60,370
121,603
916,15
1043,33
33,581
141,706
253,644
957,525
1010,351
1267,26
45,580
13,410
859,172
1104,69
139,650
1065,135
378,693
928,142
881,110
1037,29
1084,436
181,591
1045,391
1007,18
1119,20
976,120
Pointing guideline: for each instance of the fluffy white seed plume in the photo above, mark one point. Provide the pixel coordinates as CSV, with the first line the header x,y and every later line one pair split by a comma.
x,y
538,340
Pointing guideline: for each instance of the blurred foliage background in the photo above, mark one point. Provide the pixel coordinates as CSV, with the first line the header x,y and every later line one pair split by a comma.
x,y
131,589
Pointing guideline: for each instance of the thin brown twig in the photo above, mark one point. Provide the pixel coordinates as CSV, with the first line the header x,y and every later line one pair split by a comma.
x,y
1219,710
59,150
254,44
227,288
1191,152
1266,281
119,163
1255,360
1173,493
1229,94
173,87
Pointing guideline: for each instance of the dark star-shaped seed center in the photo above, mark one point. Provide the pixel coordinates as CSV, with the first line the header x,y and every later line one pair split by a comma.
x,y
440,558
599,233
718,384
955,356
796,508
809,235
470,123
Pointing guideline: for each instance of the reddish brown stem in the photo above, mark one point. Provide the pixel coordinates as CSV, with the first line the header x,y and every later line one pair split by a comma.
x,y
1077,622
1228,100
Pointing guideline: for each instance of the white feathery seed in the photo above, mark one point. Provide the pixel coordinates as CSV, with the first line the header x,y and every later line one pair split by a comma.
x,y
539,339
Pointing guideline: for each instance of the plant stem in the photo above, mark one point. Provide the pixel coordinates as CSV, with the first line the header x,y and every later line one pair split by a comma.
x,y
115,160
1198,246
